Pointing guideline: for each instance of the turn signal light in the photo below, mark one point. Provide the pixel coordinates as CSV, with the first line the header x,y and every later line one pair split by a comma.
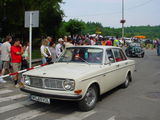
x,y
78,91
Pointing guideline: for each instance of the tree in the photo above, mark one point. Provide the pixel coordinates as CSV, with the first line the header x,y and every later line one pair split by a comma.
x,y
75,27
13,11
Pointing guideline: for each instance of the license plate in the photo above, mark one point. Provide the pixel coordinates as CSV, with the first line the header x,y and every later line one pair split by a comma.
x,y
40,99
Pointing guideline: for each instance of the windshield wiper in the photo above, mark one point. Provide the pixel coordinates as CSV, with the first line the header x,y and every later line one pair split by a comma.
x,y
84,60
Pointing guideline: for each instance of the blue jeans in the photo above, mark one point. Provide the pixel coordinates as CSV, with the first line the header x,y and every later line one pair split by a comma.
x,y
44,60
158,50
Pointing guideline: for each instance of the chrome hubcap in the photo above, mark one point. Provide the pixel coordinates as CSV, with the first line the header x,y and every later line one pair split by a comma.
x,y
127,82
90,97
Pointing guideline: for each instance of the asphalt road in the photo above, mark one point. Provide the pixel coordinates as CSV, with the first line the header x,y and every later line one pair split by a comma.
x,y
140,101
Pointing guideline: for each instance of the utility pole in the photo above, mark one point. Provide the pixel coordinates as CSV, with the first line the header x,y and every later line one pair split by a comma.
x,y
122,20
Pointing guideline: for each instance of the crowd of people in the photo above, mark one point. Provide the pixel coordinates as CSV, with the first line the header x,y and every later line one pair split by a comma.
x,y
13,58
51,51
16,57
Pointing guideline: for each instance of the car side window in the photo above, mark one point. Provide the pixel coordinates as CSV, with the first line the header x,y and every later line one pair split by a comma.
x,y
109,55
119,55
122,55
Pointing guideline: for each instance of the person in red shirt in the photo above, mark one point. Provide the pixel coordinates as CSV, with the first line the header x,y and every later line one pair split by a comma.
x,y
108,42
16,58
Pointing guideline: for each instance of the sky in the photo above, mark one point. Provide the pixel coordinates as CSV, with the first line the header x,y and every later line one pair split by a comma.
x,y
109,12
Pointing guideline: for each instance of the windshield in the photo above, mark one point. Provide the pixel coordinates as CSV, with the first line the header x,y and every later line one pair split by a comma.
x,y
80,54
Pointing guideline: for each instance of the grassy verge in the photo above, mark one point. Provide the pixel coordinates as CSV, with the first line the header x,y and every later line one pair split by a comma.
x,y
36,54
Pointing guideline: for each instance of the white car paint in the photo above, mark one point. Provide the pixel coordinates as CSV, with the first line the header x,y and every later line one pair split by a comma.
x,y
107,76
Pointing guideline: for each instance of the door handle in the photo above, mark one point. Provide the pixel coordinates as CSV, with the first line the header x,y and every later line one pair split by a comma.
x,y
104,75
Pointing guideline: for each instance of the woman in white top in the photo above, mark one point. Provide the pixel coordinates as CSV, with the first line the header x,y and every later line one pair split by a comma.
x,y
45,52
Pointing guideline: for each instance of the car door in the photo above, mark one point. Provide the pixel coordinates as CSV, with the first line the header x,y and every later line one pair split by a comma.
x,y
109,74
121,65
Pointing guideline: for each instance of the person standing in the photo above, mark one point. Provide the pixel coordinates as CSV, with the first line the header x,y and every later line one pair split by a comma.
x,y
0,59
103,42
108,42
25,56
59,47
92,41
68,42
45,52
53,51
112,40
5,56
16,59
116,42
158,47
50,39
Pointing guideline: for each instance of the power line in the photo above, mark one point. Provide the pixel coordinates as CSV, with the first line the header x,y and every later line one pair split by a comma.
x,y
140,5
115,12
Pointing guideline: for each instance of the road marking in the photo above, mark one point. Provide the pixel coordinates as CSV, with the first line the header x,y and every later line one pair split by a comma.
x,y
78,115
5,91
12,97
27,115
15,106
33,113
112,118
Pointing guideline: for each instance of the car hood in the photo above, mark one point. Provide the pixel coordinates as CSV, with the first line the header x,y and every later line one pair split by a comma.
x,y
65,70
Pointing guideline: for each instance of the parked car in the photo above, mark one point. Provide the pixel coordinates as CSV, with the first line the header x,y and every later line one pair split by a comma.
x,y
148,41
135,49
82,74
128,40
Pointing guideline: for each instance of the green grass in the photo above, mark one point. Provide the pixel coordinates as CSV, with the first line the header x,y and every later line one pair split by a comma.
x,y
36,54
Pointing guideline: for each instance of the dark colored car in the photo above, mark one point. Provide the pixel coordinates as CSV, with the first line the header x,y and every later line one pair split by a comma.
x,y
135,49
148,41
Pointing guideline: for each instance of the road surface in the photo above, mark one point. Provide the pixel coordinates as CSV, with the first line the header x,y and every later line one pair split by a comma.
x,y
140,101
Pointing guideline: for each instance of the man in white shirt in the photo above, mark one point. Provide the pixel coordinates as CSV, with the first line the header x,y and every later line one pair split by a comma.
x,y
5,56
59,47
68,42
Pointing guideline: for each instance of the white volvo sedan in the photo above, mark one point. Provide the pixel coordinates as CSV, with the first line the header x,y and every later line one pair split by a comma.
x,y
81,74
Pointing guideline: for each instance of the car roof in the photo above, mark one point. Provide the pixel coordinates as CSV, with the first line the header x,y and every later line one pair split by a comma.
x,y
95,46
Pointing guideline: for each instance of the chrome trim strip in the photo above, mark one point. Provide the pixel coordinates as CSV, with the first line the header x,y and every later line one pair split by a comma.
x,y
106,73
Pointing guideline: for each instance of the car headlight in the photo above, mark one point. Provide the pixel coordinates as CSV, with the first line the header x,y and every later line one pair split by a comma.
x,y
27,80
68,84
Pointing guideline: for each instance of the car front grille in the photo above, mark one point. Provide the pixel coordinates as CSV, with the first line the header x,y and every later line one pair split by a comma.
x,y
53,83
36,82
49,83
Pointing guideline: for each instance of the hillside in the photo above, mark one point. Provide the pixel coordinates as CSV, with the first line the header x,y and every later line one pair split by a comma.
x,y
151,32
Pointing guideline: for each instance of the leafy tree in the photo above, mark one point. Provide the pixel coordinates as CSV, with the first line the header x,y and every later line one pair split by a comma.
x,y
75,27
12,16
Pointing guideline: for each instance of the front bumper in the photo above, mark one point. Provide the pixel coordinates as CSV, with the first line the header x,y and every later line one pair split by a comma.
x,y
52,96
136,54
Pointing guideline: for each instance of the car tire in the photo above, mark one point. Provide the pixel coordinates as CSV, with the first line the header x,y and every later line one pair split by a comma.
x,y
90,99
128,54
126,83
141,55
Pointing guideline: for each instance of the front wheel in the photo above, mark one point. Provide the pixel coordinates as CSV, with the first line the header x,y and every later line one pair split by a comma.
x,y
89,100
126,83
128,54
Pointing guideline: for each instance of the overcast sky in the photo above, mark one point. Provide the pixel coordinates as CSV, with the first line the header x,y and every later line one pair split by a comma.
x,y
108,12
